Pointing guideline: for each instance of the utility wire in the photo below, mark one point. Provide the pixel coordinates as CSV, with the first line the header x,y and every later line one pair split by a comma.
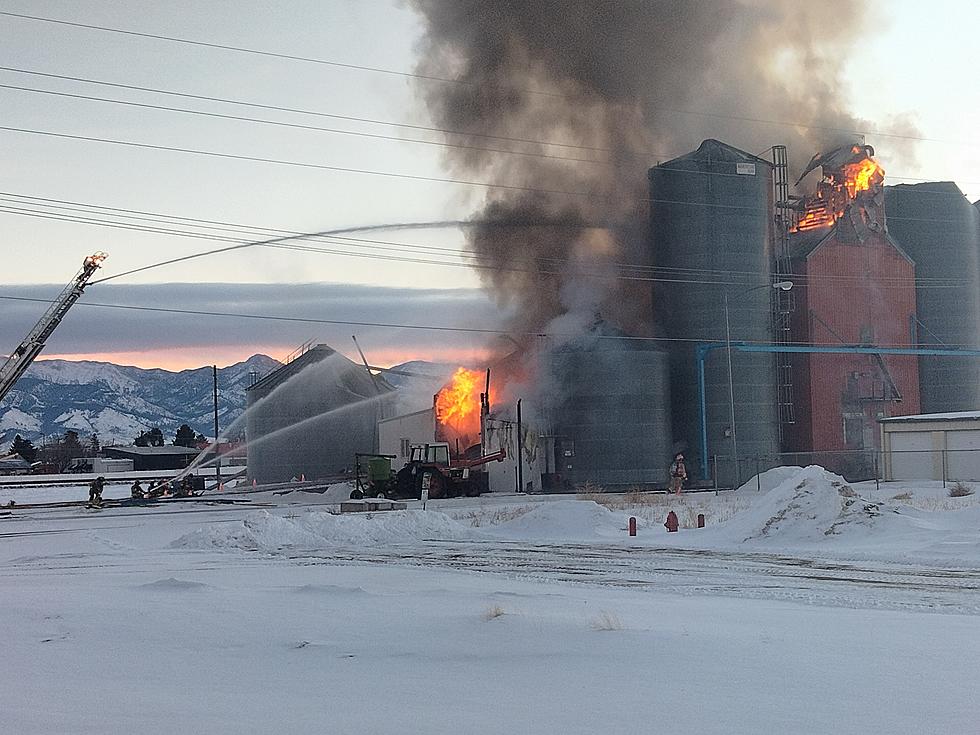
x,y
450,80
334,237
395,252
396,138
300,126
345,169
317,113
441,328
390,174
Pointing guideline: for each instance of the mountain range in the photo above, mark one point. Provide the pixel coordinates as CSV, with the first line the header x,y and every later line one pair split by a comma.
x,y
117,402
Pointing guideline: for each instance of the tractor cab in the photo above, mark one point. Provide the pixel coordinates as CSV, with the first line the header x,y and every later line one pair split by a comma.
x,y
435,454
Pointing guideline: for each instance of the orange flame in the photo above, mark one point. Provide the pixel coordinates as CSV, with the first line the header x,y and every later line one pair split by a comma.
x,y
836,192
458,404
861,176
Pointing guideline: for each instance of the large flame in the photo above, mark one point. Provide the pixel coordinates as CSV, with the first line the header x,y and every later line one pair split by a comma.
x,y
458,405
836,192
861,176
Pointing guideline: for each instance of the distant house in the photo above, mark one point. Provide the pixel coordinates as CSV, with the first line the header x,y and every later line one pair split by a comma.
x,y
14,464
154,458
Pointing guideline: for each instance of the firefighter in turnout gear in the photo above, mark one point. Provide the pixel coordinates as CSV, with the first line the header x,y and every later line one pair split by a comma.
x,y
137,491
678,474
95,490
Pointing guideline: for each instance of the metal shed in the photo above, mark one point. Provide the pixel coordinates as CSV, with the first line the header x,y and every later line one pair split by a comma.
x,y
932,446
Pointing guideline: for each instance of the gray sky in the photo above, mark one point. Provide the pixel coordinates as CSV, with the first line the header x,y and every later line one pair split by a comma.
x,y
919,62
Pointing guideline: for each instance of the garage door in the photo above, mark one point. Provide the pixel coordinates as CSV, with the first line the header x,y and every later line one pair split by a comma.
x,y
963,459
913,457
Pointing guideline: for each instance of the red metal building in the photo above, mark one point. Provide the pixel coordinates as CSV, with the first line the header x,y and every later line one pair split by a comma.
x,y
853,286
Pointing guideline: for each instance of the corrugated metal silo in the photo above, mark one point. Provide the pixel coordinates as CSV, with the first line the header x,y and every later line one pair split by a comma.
x,y
610,401
710,220
936,225
311,415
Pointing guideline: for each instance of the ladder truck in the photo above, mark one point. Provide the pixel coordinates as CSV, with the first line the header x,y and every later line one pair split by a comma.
x,y
22,357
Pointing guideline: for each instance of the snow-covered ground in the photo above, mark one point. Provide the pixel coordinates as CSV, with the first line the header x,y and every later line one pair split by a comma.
x,y
808,606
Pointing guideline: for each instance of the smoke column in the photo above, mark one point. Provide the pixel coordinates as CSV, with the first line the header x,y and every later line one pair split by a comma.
x,y
613,81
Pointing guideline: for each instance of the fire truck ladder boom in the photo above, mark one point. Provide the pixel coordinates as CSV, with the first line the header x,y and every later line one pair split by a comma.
x,y
22,357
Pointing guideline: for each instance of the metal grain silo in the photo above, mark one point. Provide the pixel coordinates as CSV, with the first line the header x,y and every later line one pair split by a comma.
x,y
936,225
610,409
311,415
711,232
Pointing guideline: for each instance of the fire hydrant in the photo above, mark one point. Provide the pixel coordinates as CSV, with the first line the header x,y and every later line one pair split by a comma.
x,y
671,523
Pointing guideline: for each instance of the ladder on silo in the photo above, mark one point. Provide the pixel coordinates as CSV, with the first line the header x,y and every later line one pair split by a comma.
x,y
783,302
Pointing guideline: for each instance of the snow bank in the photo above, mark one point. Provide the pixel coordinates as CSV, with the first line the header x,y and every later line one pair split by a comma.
x,y
264,531
565,519
766,481
803,507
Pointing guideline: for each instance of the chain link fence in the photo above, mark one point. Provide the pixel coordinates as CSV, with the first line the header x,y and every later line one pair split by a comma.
x,y
861,465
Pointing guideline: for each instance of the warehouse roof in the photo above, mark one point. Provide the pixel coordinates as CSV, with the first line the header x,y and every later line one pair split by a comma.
x,y
316,354
168,450
952,416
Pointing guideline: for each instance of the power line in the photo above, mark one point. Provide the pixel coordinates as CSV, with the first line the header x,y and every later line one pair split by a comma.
x,y
463,82
427,327
317,113
244,50
396,138
300,126
163,225
390,174
345,169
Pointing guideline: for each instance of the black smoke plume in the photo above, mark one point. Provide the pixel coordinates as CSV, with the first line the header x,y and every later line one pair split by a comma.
x,y
615,86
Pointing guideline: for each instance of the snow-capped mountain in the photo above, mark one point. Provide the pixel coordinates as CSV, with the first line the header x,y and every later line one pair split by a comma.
x,y
117,402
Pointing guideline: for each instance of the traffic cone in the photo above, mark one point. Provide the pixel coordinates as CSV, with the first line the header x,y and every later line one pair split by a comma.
x,y
221,487
254,483
302,478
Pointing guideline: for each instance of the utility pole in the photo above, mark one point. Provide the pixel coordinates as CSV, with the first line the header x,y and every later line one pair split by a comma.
x,y
520,450
217,443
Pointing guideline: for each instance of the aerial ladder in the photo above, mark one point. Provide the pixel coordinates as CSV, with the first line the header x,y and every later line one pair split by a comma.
x,y
33,343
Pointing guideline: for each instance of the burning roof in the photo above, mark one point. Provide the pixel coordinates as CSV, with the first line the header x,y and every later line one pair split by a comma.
x,y
851,175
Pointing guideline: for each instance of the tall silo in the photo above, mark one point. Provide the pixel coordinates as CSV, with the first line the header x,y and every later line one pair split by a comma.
x,y
610,408
711,234
939,229
310,416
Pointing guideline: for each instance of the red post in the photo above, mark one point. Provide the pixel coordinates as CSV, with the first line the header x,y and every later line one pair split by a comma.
x,y
671,523
700,520
632,526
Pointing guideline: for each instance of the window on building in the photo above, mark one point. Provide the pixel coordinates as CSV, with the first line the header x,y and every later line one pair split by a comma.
x,y
405,448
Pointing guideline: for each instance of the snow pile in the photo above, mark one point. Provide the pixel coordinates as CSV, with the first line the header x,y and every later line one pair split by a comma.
x,y
806,506
565,519
766,481
264,531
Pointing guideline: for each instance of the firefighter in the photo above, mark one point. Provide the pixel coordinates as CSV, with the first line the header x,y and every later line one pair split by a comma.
x,y
137,491
186,487
95,490
678,474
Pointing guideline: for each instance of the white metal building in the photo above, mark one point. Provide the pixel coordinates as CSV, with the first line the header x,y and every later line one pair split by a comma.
x,y
933,446
397,434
